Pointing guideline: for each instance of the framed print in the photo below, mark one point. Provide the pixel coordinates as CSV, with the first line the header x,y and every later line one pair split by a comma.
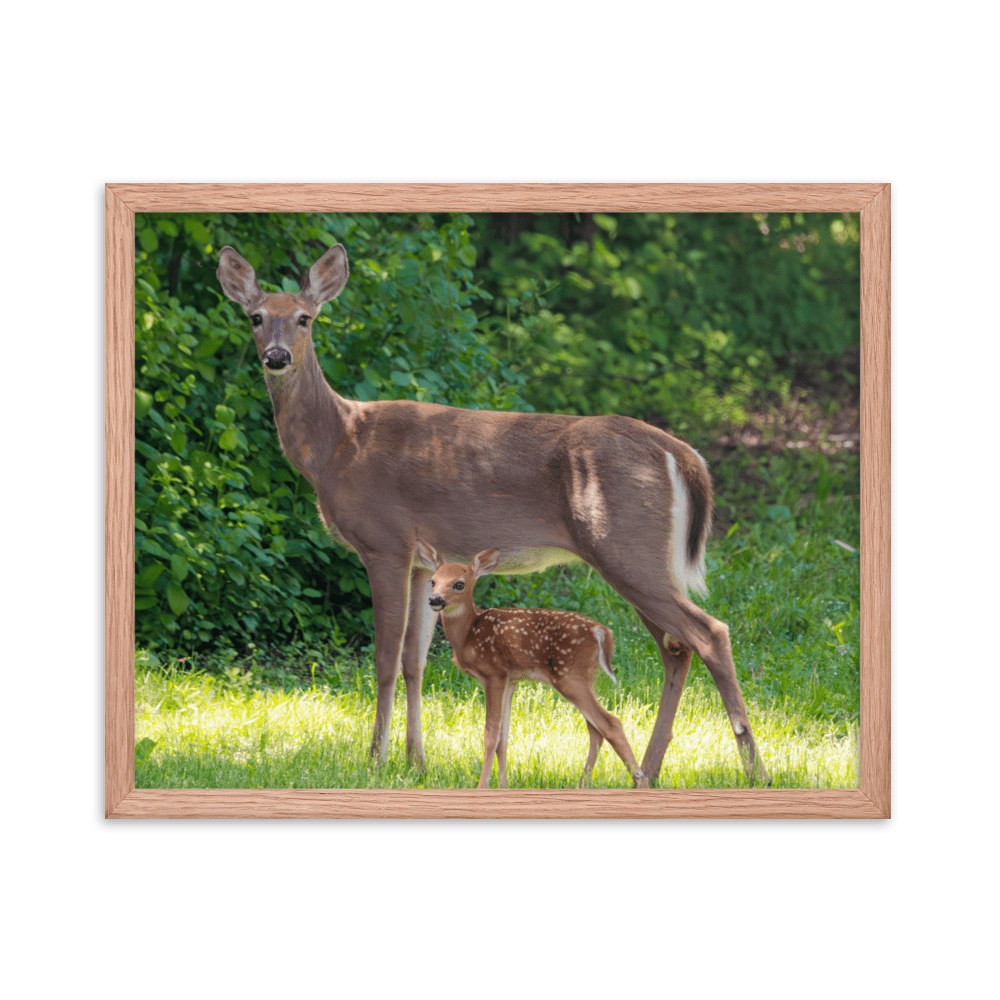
x,y
871,800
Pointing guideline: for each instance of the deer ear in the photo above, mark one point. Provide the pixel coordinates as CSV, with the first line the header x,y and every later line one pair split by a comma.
x,y
485,562
428,555
238,279
325,280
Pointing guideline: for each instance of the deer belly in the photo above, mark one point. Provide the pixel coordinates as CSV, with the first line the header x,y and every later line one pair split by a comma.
x,y
534,560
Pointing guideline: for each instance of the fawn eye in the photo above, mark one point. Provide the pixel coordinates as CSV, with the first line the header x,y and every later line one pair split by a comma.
x,y
256,320
460,585
303,321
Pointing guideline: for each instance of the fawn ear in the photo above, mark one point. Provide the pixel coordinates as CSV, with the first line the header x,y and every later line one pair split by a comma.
x,y
325,280
428,555
485,562
238,279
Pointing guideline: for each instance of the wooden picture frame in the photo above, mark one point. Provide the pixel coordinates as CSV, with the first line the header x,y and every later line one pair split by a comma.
x,y
870,800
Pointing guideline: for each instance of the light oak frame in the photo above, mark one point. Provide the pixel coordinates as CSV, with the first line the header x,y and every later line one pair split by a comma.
x,y
870,800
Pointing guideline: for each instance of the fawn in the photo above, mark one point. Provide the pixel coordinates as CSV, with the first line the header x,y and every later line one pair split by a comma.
x,y
501,646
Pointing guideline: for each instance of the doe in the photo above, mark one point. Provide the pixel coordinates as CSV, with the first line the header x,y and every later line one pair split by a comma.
x,y
501,646
624,497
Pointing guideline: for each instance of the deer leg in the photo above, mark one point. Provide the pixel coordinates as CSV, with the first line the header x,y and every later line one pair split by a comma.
x,y
676,663
579,692
695,629
390,583
596,739
508,697
665,611
419,630
718,657
495,690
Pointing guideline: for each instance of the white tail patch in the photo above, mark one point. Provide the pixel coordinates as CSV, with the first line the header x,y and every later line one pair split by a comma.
x,y
685,575
601,658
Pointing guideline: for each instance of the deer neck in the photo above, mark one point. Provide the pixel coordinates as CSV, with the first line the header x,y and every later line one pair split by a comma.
x,y
457,622
310,416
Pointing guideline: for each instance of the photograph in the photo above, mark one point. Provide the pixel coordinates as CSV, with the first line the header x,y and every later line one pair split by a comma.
x,y
388,465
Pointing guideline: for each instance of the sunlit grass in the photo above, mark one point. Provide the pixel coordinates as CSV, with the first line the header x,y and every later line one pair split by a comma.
x,y
195,731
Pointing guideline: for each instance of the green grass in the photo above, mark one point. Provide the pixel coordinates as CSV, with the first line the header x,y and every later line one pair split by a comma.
x,y
197,731
296,717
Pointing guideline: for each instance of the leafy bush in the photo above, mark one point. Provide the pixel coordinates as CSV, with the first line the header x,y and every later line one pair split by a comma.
x,y
674,318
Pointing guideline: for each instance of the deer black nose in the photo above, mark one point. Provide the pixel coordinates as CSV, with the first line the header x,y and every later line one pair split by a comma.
x,y
277,358
437,603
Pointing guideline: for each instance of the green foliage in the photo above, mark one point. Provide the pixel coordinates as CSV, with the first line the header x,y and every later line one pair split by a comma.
x,y
228,544
674,318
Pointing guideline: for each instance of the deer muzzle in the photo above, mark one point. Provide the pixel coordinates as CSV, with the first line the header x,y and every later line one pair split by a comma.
x,y
436,602
277,358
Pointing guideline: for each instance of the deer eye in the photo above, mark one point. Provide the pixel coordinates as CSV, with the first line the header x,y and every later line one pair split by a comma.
x,y
460,585
303,321
256,320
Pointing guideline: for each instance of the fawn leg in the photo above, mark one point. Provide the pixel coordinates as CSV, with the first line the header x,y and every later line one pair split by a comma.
x,y
579,692
495,690
596,739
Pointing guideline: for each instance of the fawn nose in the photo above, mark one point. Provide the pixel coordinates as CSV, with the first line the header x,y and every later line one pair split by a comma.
x,y
277,358
436,602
